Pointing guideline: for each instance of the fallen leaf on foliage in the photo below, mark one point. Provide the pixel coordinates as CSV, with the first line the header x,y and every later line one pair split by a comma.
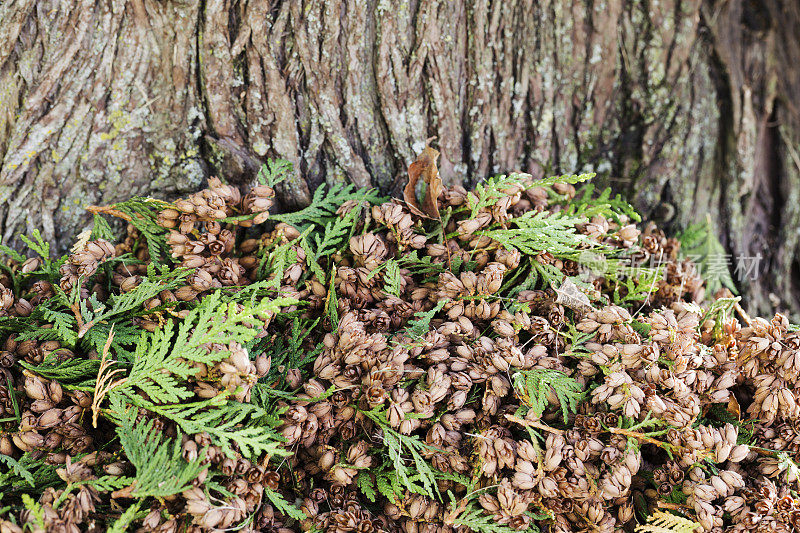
x,y
733,407
570,295
424,167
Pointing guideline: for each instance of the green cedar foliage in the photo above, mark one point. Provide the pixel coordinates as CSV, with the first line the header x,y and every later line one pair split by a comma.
x,y
35,509
42,249
534,388
542,232
488,192
123,523
534,233
162,360
391,278
700,244
324,205
162,363
149,375
16,469
286,352
419,326
229,423
412,472
474,518
26,474
160,469
274,172
587,203
143,214
323,232
283,506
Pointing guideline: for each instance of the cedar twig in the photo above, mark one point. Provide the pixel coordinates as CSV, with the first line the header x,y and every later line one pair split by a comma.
x,y
76,310
104,383
639,436
673,506
617,431
532,424
766,451
743,314
108,210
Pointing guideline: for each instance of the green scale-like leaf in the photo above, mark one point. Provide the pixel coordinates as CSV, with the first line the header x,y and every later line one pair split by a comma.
x,y
160,468
534,386
163,359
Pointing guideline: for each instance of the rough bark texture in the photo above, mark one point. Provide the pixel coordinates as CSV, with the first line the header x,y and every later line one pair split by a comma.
x,y
687,107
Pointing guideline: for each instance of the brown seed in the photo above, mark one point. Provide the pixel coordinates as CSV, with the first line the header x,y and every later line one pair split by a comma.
x,y
30,265
35,388
49,419
130,283
185,293
6,446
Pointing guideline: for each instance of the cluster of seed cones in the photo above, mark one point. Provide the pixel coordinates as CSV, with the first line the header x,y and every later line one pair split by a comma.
x,y
682,408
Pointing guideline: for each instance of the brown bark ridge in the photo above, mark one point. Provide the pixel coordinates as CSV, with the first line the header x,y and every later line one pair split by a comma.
x,y
687,107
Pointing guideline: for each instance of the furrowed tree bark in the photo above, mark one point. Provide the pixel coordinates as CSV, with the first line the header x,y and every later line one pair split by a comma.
x,y
686,107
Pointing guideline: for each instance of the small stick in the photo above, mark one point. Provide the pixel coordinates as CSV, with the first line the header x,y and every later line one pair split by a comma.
x,y
638,436
618,431
674,506
765,451
531,424
744,314
106,210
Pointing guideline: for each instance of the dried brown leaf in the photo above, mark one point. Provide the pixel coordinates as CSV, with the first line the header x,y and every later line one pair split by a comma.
x,y
733,407
424,167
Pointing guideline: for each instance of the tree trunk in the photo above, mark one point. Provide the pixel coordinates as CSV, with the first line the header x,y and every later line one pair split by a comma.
x,y
686,108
